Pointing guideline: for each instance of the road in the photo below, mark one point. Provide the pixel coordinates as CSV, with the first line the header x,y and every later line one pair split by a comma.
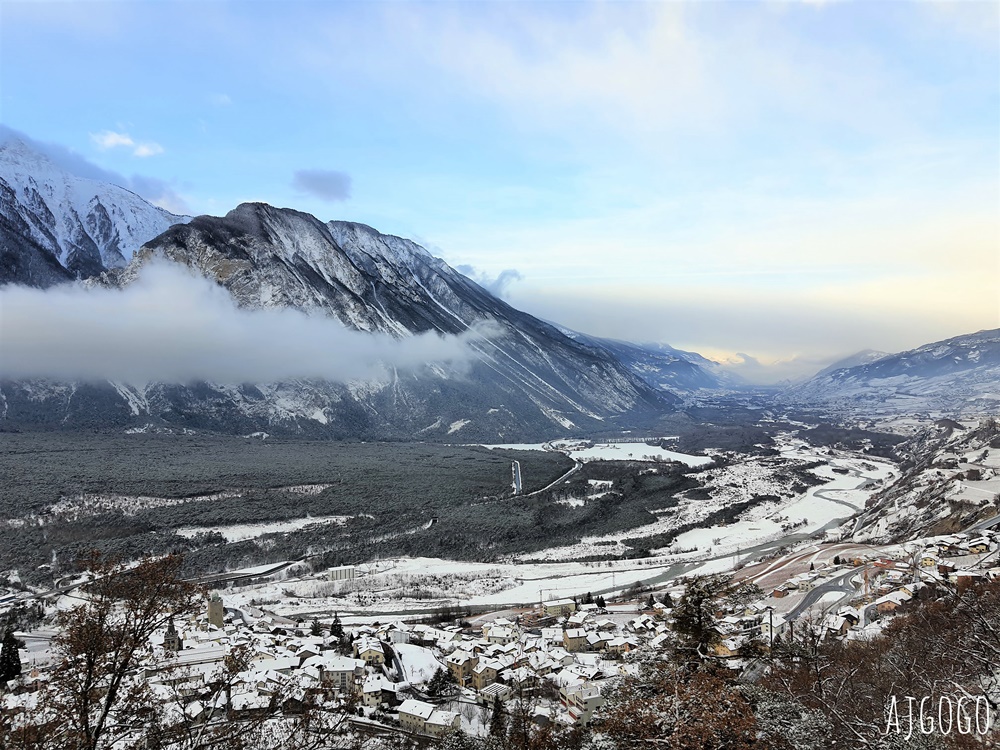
x,y
840,584
515,469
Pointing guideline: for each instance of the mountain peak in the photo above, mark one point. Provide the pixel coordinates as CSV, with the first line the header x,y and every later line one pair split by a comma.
x,y
56,225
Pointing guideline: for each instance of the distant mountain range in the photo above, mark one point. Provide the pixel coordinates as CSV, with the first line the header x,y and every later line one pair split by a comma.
x,y
529,377
957,375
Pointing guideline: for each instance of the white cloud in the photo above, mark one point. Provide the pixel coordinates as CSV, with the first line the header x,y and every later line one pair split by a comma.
x,y
147,149
109,139
173,326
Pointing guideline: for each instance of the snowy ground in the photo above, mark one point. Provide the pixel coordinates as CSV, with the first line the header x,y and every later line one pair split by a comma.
x,y
241,531
820,507
414,585
583,451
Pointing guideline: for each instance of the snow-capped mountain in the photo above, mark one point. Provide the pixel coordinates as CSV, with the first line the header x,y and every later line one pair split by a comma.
x,y
661,365
56,226
960,375
528,377
864,357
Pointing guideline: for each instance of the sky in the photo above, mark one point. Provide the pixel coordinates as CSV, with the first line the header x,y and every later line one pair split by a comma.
x,y
776,183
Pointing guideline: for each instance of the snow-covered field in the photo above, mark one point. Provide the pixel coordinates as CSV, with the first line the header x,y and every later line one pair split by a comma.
x,y
580,450
839,498
240,531
419,663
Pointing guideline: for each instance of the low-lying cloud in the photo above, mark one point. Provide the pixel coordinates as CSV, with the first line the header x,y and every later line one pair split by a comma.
x,y
495,285
173,326
325,184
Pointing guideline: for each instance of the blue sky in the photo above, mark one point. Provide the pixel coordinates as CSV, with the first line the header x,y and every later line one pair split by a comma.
x,y
791,180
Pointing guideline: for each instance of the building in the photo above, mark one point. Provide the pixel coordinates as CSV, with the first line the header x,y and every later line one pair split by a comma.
x,y
559,607
575,639
460,664
370,651
485,673
172,640
216,613
442,722
343,573
413,715
581,702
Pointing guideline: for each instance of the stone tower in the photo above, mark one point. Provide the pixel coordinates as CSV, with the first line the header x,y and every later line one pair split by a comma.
x,y
172,640
215,611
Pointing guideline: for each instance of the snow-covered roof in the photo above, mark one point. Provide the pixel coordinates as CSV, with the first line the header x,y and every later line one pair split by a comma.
x,y
416,708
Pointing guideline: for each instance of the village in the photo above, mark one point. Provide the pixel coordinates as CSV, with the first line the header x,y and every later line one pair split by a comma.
x,y
554,661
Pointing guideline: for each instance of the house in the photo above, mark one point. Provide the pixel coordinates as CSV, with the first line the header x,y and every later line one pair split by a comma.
x,y
337,672
378,691
889,602
575,639
489,694
581,702
727,648
929,560
485,673
413,715
502,635
371,690
619,645
370,651
979,546
836,626
577,619
559,607
460,664
442,722
772,626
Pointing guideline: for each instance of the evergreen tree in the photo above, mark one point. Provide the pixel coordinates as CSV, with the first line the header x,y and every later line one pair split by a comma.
x,y
314,628
836,559
667,600
650,602
601,603
588,599
336,628
498,721
10,659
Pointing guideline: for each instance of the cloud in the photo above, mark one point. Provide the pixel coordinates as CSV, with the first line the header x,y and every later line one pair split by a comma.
x,y
155,190
220,100
147,149
498,285
325,184
173,326
108,139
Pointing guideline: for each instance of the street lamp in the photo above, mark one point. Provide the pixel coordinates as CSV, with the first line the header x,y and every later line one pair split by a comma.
x,y
770,626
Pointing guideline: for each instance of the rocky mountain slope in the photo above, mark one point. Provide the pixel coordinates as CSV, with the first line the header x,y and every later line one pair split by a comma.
x,y
527,377
864,357
56,226
960,375
663,366
950,480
